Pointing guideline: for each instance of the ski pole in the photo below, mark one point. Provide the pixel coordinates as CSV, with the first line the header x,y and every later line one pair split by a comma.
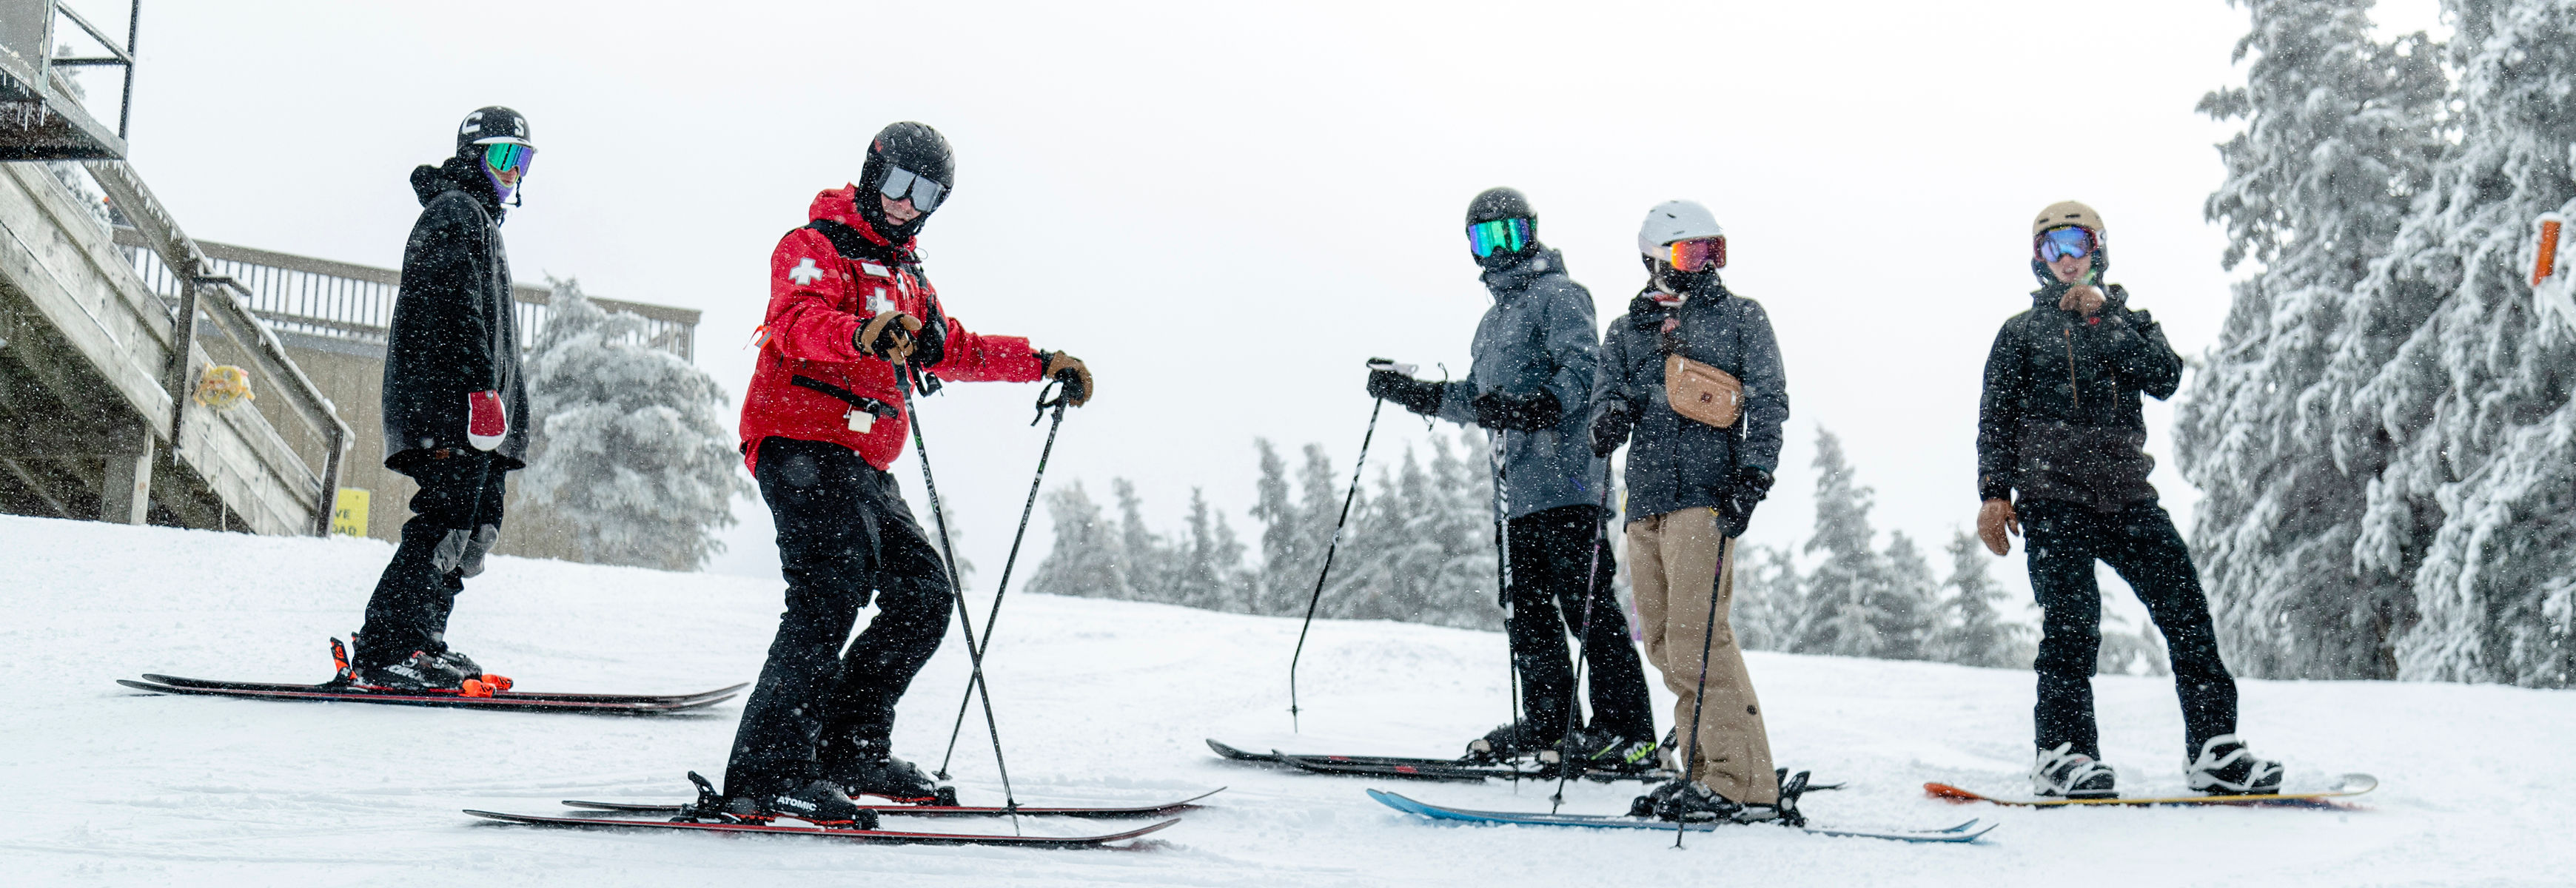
x,y
1494,442
1708,639
965,618
1583,636
976,682
1329,548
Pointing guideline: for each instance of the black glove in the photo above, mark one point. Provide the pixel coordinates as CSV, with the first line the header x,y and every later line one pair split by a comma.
x,y
1750,486
1518,413
1413,394
1610,429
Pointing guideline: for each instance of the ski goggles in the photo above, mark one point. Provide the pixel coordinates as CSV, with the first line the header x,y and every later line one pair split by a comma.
x,y
901,183
2065,241
1696,254
1507,235
507,162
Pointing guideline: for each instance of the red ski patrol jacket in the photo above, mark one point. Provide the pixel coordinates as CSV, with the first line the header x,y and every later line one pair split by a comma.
x,y
810,384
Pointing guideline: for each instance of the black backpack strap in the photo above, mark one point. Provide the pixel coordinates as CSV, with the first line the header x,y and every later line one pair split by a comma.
x,y
931,344
854,246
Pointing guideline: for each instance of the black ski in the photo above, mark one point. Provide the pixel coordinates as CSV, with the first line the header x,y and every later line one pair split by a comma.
x,y
885,836
177,682
501,700
1094,813
1245,755
1460,773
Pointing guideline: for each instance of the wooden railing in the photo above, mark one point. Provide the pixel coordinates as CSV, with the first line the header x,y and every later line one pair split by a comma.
x,y
294,437
354,303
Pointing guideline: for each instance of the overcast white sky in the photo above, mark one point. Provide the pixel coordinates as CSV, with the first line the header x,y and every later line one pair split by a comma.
x,y
1226,208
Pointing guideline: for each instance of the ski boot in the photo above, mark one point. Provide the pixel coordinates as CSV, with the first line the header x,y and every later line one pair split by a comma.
x,y
1505,744
445,670
868,767
1691,801
1589,751
817,802
2064,773
2226,767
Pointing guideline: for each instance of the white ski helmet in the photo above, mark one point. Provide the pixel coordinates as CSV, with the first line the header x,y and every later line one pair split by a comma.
x,y
1675,220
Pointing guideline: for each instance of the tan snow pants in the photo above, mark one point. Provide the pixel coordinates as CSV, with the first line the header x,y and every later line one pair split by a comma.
x,y
1681,588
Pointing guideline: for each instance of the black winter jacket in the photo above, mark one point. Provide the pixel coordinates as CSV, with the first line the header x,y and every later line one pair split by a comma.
x,y
2061,419
454,332
1675,463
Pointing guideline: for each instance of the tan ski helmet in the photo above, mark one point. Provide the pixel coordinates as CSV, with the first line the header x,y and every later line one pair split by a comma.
x,y
2066,212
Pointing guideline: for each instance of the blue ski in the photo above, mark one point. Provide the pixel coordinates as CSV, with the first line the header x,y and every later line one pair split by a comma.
x,y
1965,832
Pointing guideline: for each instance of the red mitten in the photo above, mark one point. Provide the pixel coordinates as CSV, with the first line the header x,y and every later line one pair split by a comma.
x,y
485,422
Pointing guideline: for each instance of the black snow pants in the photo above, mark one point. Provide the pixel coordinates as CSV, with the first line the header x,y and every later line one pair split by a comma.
x,y
845,536
1550,550
456,516
2138,541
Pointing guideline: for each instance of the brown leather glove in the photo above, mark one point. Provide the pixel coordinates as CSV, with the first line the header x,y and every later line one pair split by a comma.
x,y
888,336
1993,520
1078,385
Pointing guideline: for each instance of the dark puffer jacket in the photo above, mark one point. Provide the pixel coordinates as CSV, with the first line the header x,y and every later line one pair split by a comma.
x,y
2061,419
1676,463
454,332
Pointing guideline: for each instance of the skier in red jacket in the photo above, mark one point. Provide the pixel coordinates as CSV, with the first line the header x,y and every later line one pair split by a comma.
x,y
852,323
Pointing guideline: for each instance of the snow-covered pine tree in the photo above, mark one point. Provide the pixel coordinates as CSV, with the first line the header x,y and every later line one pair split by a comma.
x,y
1086,559
1141,551
631,450
1210,572
1769,600
1857,603
1381,562
1972,629
1274,591
1911,610
2461,385
2340,134
1460,521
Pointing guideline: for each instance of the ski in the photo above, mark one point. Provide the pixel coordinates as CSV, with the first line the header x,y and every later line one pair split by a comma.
x,y
500,700
1245,755
1461,773
1093,813
177,682
2346,785
1960,834
884,836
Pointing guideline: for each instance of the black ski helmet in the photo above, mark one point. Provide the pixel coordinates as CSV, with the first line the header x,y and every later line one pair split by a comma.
x,y
1502,203
491,125
909,146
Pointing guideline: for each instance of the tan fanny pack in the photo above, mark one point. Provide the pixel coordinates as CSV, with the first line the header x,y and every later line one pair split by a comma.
x,y
1702,393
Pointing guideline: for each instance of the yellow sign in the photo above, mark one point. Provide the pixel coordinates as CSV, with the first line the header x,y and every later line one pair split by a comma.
x,y
349,514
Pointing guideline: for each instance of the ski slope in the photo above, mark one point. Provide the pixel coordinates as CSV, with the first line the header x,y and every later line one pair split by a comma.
x,y
1106,702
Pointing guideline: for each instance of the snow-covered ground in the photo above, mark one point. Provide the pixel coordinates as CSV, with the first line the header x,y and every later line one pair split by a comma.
x,y
1106,702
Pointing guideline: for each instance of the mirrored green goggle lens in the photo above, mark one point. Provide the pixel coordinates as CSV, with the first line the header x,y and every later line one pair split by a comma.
x,y
1508,235
503,156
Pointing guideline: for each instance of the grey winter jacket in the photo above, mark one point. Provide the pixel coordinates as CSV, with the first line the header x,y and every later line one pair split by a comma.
x,y
1676,463
1538,335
